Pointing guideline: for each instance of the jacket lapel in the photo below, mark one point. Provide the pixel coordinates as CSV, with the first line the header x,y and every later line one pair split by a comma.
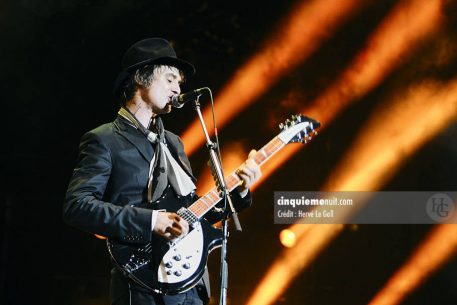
x,y
135,137
173,147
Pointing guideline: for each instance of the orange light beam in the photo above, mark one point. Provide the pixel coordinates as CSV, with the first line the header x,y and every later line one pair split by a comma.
x,y
393,133
308,24
428,109
292,261
399,34
437,249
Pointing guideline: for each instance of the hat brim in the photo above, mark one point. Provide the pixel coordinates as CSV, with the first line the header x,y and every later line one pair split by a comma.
x,y
187,68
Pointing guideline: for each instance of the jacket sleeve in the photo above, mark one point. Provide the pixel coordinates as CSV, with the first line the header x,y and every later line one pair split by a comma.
x,y
84,207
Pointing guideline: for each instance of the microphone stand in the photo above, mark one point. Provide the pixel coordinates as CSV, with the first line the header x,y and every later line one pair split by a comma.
x,y
222,188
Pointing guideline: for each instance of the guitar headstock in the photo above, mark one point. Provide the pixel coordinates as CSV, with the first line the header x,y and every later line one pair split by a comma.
x,y
298,129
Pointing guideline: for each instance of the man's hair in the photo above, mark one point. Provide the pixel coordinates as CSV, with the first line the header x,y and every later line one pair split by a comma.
x,y
142,78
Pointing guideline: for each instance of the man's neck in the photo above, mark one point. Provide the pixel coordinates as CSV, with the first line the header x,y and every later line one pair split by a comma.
x,y
140,110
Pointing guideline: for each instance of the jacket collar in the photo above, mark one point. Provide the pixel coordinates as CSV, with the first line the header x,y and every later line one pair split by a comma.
x,y
135,137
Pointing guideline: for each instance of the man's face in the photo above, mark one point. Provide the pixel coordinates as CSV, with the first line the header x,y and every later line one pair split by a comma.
x,y
165,85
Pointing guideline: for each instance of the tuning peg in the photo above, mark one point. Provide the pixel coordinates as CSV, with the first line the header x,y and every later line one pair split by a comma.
x,y
314,132
281,126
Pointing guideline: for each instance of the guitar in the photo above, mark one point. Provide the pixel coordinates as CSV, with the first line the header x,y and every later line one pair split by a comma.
x,y
171,267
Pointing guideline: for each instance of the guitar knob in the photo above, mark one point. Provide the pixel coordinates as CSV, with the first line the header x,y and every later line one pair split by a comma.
x,y
168,264
186,266
177,257
169,272
178,273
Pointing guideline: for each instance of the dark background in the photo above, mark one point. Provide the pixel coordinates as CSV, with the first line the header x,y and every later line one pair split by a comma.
x,y
59,60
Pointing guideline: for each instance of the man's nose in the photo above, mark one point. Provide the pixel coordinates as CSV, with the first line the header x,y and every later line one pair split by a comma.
x,y
176,89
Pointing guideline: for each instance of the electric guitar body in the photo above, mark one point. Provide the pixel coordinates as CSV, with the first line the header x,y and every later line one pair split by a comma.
x,y
168,267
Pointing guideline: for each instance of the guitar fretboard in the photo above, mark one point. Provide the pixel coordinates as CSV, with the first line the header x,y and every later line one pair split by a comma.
x,y
210,199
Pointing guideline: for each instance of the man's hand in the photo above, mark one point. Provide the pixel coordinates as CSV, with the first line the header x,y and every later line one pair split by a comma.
x,y
249,172
170,225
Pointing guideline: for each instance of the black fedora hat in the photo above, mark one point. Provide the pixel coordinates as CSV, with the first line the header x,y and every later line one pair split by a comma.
x,y
150,51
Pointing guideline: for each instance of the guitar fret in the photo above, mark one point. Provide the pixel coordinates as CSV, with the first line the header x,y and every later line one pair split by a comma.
x,y
196,212
264,155
214,195
273,147
203,199
193,208
233,181
198,209
258,159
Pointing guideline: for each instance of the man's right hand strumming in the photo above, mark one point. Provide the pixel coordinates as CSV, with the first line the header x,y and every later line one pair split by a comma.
x,y
170,225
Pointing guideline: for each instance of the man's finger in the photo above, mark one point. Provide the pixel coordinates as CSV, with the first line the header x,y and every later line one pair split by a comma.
x,y
246,179
174,231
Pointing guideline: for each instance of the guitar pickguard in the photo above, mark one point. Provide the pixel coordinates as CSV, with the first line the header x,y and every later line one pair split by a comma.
x,y
183,258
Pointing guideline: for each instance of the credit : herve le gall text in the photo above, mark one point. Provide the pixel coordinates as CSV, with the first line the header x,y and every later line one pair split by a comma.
x,y
305,214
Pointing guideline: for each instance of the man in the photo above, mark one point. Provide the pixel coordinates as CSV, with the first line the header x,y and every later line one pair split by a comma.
x,y
133,160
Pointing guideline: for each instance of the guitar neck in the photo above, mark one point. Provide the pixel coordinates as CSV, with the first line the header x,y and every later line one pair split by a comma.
x,y
210,199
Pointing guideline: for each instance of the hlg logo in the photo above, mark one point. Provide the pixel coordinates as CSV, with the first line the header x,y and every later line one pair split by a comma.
x,y
440,207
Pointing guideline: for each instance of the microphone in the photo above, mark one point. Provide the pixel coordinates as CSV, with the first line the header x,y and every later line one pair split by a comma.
x,y
179,100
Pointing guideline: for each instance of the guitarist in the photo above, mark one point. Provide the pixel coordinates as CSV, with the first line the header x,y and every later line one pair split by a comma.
x,y
131,169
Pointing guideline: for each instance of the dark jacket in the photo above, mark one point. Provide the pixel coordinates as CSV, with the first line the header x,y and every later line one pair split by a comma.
x,y
110,181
